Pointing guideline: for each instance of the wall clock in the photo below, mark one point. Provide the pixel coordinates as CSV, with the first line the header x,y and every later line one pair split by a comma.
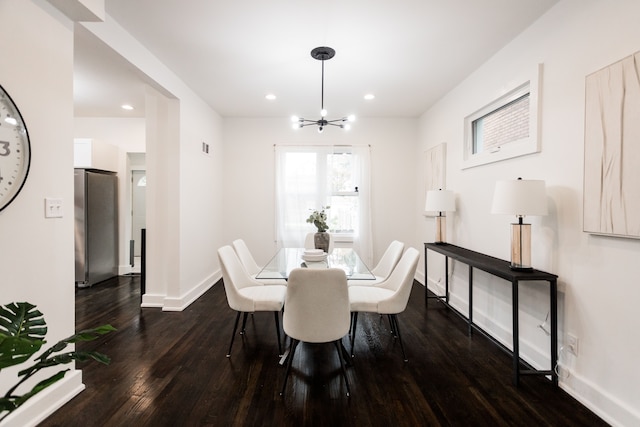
x,y
15,150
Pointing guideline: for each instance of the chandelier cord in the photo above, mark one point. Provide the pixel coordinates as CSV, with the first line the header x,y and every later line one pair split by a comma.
x,y
322,90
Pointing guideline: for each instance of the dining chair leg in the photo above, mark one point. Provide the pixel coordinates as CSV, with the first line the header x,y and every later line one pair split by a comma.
x,y
244,323
391,325
294,344
394,317
233,335
344,371
354,322
278,332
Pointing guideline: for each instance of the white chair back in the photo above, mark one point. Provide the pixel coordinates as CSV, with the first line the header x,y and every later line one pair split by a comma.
x,y
401,282
317,305
246,258
389,260
234,277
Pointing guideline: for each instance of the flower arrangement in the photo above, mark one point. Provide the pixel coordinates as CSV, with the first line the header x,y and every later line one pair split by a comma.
x,y
319,219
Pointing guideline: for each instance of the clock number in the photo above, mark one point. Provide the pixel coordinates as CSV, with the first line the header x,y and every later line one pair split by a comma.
x,y
4,148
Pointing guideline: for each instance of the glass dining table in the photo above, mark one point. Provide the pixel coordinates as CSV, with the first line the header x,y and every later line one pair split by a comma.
x,y
286,259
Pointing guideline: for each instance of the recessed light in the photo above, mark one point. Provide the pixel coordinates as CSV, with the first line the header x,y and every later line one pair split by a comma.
x,y
270,96
127,107
369,96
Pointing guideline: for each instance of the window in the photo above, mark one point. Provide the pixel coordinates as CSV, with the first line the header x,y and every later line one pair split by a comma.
x,y
308,178
509,123
505,128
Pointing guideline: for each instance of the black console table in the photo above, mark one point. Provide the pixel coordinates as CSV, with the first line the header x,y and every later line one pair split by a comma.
x,y
501,268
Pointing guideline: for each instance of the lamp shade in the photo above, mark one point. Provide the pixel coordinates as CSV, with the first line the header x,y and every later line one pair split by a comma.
x,y
520,197
440,200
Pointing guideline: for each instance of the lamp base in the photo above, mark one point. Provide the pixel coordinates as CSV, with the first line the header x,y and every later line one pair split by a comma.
x,y
520,247
441,230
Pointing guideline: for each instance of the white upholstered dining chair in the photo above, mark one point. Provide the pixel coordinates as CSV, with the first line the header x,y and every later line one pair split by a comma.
x,y
389,297
316,311
250,264
246,295
384,267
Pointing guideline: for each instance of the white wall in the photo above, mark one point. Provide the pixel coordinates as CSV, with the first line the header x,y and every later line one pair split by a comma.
x,y
599,292
45,100
249,177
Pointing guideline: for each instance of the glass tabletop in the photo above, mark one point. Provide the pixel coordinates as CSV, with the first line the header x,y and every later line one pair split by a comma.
x,y
286,259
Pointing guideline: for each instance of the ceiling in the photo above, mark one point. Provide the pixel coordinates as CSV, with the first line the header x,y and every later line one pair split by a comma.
x,y
408,53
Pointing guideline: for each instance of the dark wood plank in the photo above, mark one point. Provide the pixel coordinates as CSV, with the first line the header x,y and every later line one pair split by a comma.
x,y
170,369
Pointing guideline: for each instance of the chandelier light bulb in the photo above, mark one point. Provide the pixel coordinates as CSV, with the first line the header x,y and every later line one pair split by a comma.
x,y
295,119
320,129
351,118
323,113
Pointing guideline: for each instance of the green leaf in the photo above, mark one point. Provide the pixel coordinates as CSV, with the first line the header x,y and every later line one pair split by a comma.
x,y
11,403
22,331
15,350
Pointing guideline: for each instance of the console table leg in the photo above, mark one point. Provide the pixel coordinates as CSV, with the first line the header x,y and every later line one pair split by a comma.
x,y
516,339
554,329
470,300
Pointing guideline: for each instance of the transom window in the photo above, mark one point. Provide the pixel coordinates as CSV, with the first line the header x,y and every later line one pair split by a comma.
x,y
504,128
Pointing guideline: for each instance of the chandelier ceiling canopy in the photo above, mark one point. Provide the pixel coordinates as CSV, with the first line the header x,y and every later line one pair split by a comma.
x,y
322,53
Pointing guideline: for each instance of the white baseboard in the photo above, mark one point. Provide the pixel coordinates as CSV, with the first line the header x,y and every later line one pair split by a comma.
x,y
179,304
152,300
45,403
600,402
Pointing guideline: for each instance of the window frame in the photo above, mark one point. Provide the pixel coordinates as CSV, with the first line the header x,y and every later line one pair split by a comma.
x,y
521,147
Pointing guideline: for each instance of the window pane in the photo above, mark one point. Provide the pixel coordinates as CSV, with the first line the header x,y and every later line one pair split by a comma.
x,y
343,215
506,124
341,173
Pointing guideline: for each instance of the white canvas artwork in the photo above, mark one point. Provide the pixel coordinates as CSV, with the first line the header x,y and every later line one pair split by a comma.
x,y
435,161
612,150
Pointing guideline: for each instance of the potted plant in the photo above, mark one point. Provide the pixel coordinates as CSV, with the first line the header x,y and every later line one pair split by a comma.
x,y
22,332
319,218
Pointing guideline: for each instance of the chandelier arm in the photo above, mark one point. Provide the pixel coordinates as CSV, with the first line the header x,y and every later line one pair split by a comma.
x,y
332,122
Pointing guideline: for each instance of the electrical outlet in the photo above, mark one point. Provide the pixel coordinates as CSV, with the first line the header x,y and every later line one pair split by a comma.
x,y
572,344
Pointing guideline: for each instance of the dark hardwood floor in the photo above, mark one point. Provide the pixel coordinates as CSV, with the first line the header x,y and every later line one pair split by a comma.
x,y
170,369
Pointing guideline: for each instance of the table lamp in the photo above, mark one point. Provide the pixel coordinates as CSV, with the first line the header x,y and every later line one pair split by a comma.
x,y
440,201
520,198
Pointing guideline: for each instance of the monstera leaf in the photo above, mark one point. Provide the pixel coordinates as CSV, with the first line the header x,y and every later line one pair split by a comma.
x,y
22,331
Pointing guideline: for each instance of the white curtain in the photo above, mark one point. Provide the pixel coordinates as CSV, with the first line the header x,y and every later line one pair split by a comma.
x,y
362,240
302,185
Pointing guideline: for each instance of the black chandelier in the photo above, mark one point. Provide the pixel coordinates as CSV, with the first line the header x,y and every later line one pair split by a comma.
x,y
323,53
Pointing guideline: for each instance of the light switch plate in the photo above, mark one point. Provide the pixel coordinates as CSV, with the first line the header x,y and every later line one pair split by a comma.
x,y
53,208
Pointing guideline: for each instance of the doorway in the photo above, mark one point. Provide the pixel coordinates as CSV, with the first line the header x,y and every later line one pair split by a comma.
x,y
138,213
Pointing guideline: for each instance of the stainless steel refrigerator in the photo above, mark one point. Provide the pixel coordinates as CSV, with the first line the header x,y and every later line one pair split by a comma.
x,y
96,226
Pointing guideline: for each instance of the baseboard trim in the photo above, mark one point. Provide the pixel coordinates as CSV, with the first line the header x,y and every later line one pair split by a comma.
x,y
45,403
179,304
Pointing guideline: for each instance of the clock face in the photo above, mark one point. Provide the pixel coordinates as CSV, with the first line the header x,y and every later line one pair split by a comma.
x,y
15,150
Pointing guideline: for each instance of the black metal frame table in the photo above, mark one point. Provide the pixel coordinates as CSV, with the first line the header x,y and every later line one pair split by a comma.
x,y
502,269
